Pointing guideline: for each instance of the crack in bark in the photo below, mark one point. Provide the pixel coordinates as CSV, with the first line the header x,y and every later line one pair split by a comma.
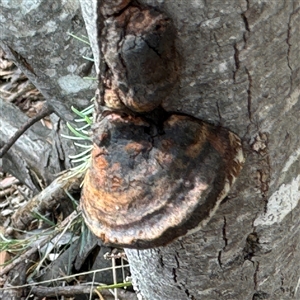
x,y
282,282
219,259
245,18
289,45
246,24
224,233
174,271
249,94
225,243
219,112
174,275
245,40
248,4
176,259
266,183
255,276
236,61
161,261
187,292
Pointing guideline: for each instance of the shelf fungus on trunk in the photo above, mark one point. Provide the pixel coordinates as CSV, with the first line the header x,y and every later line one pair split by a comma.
x,y
155,176
147,187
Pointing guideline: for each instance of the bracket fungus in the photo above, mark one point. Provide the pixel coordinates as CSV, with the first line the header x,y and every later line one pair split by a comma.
x,y
146,188
155,176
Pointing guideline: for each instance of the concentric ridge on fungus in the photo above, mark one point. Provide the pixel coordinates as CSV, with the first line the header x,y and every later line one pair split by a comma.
x,y
146,189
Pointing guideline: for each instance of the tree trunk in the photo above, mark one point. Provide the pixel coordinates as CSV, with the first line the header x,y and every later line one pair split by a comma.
x,y
237,67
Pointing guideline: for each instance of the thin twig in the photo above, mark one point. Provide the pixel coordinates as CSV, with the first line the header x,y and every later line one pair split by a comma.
x,y
71,291
68,291
47,199
43,113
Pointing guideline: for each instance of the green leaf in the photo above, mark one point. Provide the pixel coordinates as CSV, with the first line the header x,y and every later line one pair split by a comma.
x,y
39,216
80,159
83,127
88,58
84,146
78,38
70,137
77,134
78,113
88,110
81,153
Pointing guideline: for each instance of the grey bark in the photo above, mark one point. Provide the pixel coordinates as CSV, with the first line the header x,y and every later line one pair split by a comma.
x,y
241,70
34,34
24,160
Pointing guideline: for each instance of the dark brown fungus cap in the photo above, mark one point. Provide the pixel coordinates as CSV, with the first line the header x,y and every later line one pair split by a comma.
x,y
144,189
143,66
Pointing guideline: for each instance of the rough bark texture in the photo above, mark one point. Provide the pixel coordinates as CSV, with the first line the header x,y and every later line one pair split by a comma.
x,y
34,34
239,69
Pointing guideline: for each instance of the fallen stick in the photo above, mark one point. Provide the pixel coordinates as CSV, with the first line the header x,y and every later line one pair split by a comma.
x,y
47,199
71,291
